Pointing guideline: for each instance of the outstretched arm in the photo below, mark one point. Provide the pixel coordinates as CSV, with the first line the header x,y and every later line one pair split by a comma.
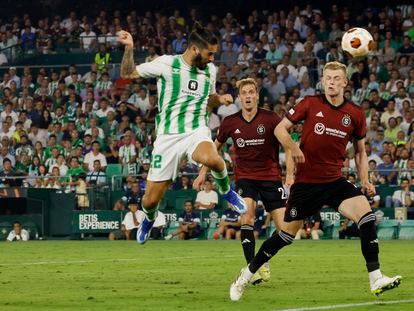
x,y
128,70
216,100
282,134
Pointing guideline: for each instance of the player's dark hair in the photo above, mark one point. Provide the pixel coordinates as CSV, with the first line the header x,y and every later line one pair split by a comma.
x,y
201,37
188,201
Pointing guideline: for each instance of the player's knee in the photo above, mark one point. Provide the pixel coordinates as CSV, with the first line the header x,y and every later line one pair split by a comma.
x,y
248,219
215,163
150,201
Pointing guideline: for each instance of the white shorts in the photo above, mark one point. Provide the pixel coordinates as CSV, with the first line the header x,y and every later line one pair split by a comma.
x,y
169,150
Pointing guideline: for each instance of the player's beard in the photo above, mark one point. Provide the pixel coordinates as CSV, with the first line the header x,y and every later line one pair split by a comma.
x,y
199,62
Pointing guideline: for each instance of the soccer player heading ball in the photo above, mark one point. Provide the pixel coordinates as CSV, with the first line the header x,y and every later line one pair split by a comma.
x,y
330,121
186,84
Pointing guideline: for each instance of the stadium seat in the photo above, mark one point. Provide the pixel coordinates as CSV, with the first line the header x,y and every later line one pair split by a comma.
x,y
171,228
386,230
406,231
5,228
270,229
335,229
212,228
31,227
114,170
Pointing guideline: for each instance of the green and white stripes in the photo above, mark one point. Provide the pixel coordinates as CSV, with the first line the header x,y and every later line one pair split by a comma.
x,y
183,95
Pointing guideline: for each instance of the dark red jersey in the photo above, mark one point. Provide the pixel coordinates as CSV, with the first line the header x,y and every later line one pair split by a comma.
x,y
326,132
257,149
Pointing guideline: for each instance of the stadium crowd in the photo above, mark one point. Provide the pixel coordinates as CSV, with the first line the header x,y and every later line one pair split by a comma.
x,y
64,126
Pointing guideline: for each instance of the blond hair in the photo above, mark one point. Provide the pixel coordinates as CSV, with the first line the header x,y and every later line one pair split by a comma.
x,y
246,81
334,66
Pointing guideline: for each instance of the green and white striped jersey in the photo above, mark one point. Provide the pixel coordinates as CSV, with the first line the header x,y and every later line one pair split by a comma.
x,y
183,93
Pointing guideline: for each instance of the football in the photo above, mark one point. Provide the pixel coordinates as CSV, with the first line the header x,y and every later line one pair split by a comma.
x,y
357,42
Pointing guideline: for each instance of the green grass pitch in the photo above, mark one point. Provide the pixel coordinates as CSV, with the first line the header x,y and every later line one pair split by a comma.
x,y
192,275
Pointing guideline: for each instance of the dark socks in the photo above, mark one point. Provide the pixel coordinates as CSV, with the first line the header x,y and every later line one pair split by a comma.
x,y
248,242
369,241
269,248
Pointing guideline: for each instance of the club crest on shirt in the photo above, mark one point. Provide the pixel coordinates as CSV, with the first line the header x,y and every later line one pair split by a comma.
x,y
293,212
261,129
346,120
192,85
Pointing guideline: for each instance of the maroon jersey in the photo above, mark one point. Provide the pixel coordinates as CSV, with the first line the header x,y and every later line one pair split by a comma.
x,y
257,149
326,132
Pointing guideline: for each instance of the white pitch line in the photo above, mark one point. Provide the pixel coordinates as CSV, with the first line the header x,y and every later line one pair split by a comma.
x,y
70,262
6,264
352,305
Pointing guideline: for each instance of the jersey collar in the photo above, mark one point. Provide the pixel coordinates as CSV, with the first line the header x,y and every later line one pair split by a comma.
x,y
251,121
326,101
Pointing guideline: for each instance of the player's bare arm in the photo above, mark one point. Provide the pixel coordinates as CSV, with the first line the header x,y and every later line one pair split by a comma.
x,y
216,100
199,181
361,162
128,70
282,134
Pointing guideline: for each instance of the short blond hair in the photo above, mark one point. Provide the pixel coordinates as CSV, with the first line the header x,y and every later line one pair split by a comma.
x,y
246,81
334,66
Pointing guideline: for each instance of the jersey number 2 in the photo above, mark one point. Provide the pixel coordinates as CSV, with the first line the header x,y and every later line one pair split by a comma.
x,y
156,161
282,192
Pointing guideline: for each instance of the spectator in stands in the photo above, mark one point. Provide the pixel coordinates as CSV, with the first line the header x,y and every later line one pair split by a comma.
x,y
94,155
312,228
134,194
87,39
386,169
261,221
129,225
403,197
377,143
28,39
229,224
82,198
6,171
102,58
207,198
390,112
96,177
18,233
275,87
392,130
189,224
178,44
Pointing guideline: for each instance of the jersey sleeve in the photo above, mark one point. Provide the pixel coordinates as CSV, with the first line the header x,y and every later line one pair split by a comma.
x,y
223,131
153,69
275,120
360,130
213,74
299,112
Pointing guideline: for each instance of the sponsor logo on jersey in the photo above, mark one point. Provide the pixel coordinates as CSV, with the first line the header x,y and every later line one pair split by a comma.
x,y
250,142
175,70
346,120
193,85
293,212
237,131
319,114
240,142
261,129
319,128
